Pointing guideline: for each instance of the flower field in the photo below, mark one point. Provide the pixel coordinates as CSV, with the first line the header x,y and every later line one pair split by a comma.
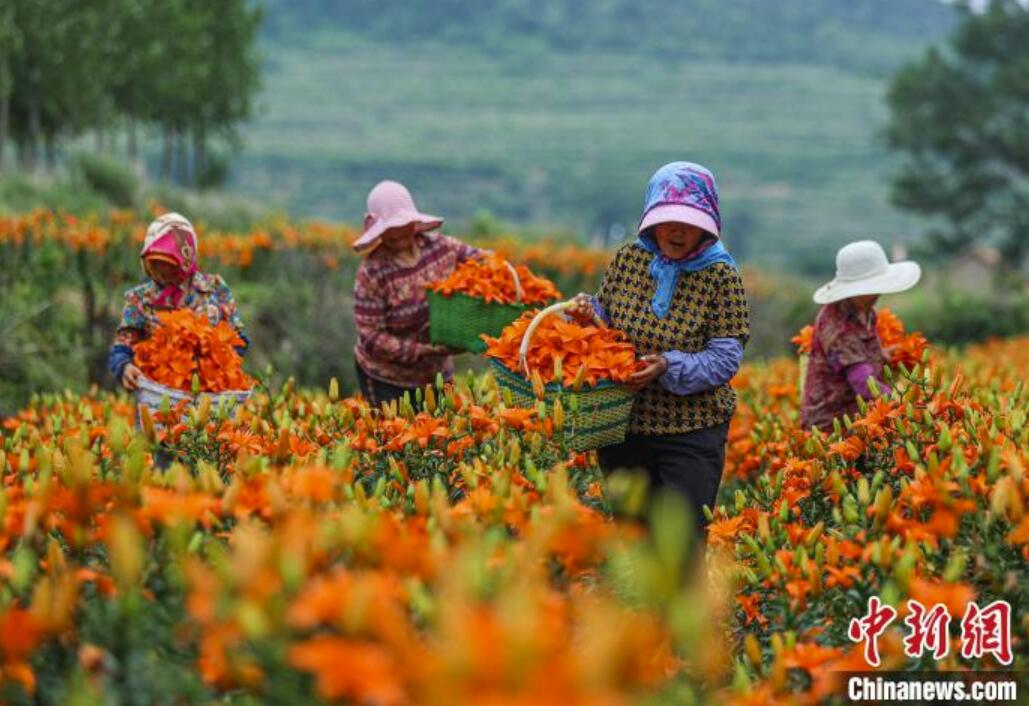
x,y
118,235
64,276
450,549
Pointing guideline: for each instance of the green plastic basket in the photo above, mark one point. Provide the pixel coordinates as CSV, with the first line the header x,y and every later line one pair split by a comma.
x,y
459,320
594,416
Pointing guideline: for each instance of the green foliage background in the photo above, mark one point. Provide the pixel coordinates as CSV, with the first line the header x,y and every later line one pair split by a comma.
x,y
557,113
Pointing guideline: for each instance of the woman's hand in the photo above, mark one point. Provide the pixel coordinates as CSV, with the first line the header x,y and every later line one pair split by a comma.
x,y
442,349
583,305
656,367
130,377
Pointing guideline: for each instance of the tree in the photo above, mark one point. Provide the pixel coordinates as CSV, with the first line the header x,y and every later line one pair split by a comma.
x,y
57,71
230,75
961,115
187,67
10,43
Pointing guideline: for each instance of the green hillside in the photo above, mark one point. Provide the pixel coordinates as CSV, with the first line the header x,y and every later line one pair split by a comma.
x,y
540,128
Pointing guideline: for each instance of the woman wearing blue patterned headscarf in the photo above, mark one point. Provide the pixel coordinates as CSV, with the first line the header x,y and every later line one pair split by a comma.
x,y
677,294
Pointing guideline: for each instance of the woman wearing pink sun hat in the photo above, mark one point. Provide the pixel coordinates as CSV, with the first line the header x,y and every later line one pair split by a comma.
x,y
401,254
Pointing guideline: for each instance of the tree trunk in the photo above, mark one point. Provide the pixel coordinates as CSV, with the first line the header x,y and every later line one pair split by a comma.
x,y
176,157
166,154
50,150
35,122
133,141
184,176
89,299
5,121
199,155
138,165
96,359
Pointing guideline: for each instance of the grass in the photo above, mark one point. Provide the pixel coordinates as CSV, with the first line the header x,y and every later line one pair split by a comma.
x,y
569,141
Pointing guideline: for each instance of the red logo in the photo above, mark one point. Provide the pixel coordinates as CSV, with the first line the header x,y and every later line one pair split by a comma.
x,y
987,631
870,627
984,631
929,630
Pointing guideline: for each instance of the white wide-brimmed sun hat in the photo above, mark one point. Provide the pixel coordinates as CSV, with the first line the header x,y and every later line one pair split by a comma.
x,y
862,268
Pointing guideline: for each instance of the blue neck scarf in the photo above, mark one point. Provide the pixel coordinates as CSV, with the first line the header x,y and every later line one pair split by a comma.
x,y
666,271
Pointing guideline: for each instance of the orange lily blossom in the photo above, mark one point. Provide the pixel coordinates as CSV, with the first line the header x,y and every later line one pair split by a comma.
x,y
490,279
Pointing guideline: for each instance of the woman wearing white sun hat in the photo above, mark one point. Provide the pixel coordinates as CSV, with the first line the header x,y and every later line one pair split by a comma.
x,y
845,348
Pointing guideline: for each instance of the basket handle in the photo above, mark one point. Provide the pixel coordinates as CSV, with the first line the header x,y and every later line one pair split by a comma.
x,y
519,292
523,350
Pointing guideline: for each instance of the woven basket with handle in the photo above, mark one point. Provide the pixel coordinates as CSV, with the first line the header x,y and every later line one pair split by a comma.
x,y
151,394
594,416
459,320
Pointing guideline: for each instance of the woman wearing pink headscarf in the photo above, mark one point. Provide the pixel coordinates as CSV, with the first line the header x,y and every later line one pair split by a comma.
x,y
169,259
400,256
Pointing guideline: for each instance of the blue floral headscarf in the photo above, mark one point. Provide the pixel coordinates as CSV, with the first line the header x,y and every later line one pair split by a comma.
x,y
689,185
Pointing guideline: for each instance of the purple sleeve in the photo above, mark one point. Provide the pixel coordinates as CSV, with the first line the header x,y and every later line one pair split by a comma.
x,y
858,375
690,373
599,309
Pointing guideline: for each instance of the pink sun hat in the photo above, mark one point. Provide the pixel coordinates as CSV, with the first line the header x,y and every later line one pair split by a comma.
x,y
390,206
678,213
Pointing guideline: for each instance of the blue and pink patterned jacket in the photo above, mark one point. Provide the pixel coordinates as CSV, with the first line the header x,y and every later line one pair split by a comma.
x,y
208,294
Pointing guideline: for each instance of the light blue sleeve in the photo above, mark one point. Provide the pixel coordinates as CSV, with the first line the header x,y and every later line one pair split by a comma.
x,y
690,373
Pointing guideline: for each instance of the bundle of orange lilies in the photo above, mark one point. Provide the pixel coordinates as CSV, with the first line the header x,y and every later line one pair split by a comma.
x,y
186,344
566,351
901,347
491,279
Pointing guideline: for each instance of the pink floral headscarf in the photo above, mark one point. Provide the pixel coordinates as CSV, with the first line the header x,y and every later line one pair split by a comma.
x,y
171,238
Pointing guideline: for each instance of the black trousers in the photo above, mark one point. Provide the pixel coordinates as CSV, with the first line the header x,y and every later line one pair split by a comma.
x,y
377,391
690,464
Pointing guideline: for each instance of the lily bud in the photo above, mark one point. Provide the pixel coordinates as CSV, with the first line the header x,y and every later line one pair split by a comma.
x,y
850,511
421,496
147,422
753,650
538,389
559,415
203,412
282,446
863,492
580,377
883,503
873,387
813,534
955,567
